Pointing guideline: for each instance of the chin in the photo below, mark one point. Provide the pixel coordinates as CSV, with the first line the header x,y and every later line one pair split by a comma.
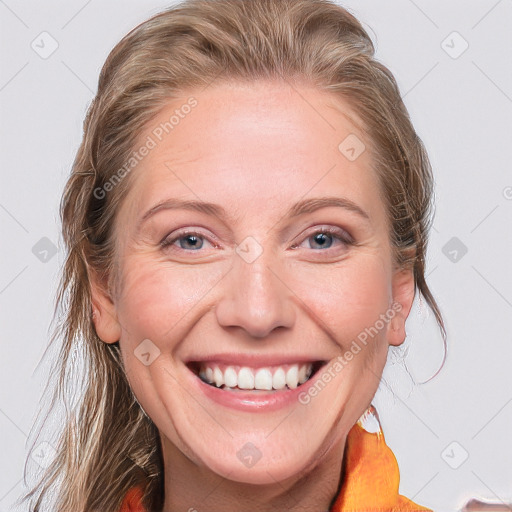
x,y
262,473
262,461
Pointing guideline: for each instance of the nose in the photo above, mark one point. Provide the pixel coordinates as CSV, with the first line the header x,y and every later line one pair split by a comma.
x,y
256,297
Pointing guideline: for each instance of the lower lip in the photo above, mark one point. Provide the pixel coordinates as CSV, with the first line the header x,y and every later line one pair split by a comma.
x,y
250,401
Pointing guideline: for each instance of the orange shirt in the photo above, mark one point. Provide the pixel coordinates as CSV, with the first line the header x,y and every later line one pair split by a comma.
x,y
371,476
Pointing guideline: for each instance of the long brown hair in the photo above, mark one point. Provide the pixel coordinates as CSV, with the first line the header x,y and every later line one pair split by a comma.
x,y
108,444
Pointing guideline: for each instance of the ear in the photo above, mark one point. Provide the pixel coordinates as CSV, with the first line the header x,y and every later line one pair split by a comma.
x,y
104,313
403,297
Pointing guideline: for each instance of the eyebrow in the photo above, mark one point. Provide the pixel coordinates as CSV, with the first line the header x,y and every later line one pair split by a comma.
x,y
300,208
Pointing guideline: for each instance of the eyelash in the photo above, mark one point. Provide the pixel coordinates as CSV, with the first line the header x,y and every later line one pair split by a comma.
x,y
337,233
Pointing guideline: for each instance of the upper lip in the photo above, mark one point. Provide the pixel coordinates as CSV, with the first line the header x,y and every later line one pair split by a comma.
x,y
254,360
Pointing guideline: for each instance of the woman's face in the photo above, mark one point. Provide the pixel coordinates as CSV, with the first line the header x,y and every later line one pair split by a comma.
x,y
258,277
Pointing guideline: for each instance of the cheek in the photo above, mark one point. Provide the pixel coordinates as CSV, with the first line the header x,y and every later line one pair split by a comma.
x,y
346,299
156,296
343,299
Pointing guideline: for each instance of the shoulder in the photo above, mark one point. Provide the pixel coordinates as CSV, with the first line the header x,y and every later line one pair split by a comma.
x,y
371,474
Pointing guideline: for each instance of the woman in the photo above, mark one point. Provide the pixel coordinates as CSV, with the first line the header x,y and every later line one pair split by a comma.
x,y
246,223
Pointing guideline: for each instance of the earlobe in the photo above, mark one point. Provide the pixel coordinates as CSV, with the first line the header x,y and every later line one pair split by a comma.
x,y
104,313
403,295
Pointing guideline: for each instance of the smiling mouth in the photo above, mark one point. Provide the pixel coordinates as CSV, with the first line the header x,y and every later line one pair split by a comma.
x,y
245,378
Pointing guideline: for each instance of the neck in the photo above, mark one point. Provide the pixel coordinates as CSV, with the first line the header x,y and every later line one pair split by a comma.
x,y
192,488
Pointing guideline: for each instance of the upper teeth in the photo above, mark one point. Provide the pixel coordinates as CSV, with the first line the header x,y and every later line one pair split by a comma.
x,y
270,377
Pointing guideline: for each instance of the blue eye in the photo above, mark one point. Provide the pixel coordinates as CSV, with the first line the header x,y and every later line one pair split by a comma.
x,y
324,238
189,240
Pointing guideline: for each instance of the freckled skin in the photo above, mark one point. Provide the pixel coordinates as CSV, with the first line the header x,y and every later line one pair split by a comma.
x,y
255,149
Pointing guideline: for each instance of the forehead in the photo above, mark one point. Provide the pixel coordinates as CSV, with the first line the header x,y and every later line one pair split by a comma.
x,y
243,143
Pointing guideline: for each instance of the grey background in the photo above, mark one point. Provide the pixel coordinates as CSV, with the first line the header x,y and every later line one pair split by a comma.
x,y
461,106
